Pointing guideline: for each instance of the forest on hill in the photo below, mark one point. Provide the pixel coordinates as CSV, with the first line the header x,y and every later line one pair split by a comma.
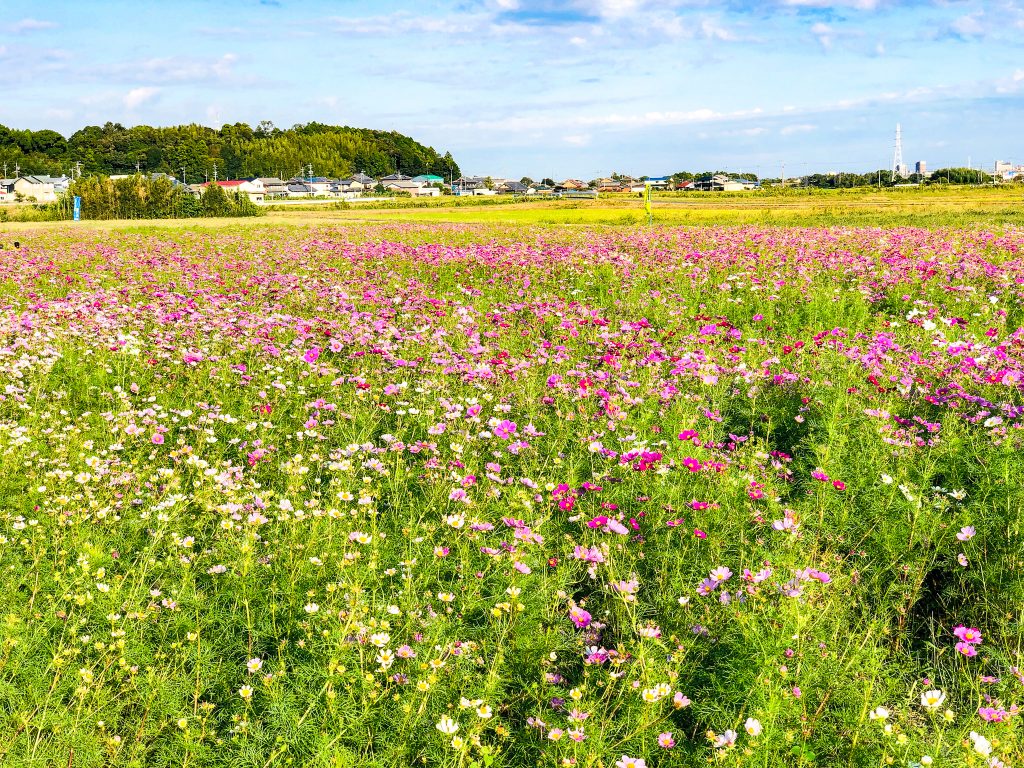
x,y
237,150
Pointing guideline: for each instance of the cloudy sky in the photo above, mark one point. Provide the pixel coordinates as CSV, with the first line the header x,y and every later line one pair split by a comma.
x,y
559,88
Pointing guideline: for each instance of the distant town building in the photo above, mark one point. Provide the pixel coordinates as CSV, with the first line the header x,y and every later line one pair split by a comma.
x,y
921,168
1007,171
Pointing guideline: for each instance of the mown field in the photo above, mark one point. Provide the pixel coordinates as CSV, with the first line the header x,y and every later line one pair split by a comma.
x,y
393,493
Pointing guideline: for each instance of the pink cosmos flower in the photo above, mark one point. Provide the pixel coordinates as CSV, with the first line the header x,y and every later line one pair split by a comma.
x,y
312,355
967,634
157,439
665,740
505,429
588,554
579,617
966,649
966,533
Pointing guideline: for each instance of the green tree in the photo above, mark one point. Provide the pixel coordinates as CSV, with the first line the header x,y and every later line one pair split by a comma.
x,y
215,201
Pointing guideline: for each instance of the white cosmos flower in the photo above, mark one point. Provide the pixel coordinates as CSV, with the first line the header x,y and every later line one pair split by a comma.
x,y
447,726
981,745
932,699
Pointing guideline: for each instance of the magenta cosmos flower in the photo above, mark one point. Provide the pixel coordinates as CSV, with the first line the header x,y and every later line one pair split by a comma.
x,y
966,649
968,634
579,617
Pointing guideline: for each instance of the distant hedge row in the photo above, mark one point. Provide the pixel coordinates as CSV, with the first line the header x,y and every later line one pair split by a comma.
x,y
142,197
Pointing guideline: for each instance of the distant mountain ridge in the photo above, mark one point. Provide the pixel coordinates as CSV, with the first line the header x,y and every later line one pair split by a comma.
x,y
237,150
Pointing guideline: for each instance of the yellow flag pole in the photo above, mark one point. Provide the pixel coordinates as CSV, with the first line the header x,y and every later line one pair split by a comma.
x,y
647,202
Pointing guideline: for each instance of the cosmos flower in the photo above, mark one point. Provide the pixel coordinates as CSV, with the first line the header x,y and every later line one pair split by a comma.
x,y
967,634
447,726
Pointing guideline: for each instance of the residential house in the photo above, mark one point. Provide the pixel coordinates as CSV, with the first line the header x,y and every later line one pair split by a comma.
x,y
722,183
685,186
428,179
511,188
7,190
540,189
42,189
394,177
351,188
571,185
299,188
321,184
468,185
659,182
368,182
414,188
253,189
273,186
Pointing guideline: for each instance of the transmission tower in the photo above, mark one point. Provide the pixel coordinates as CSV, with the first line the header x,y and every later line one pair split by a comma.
x,y
898,169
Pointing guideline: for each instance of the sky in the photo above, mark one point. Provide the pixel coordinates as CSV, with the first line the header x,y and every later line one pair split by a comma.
x,y
576,88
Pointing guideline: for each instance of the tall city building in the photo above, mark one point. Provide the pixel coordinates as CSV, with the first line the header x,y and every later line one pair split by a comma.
x,y
921,168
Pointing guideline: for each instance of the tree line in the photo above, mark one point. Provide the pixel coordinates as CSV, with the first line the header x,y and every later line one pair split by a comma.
x,y
237,151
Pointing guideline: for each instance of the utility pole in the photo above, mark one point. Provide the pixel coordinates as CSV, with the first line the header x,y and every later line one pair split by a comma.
x,y
183,182
214,173
782,182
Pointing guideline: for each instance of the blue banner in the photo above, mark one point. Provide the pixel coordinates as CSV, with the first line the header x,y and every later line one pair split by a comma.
x,y
78,208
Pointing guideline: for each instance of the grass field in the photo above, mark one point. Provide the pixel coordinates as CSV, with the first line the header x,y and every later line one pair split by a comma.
x,y
451,487
921,207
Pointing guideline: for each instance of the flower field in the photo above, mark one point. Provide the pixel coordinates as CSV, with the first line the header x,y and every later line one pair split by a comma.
x,y
476,496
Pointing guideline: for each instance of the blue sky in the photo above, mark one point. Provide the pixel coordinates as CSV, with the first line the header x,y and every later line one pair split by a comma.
x,y
523,87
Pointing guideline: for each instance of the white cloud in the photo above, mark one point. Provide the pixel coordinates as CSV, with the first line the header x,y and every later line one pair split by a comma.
x,y
824,33
31,25
614,9
173,70
577,140
136,97
968,26
404,23
713,30
790,130
859,5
